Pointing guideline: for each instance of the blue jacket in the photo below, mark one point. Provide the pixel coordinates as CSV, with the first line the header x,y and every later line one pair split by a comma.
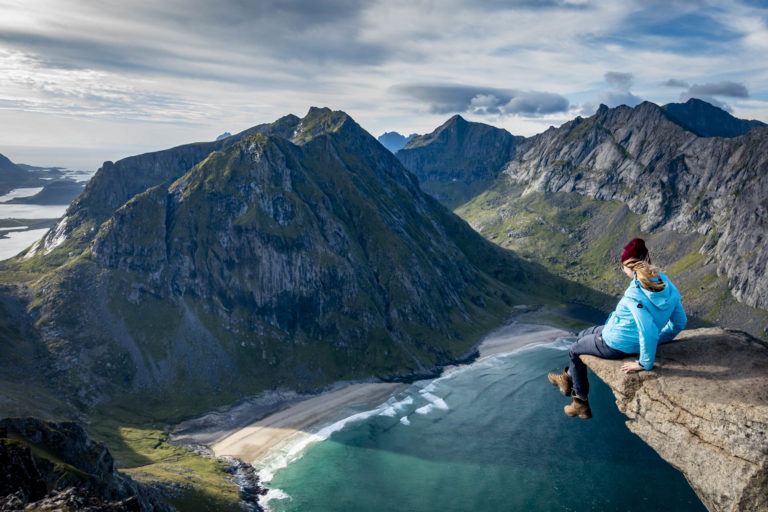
x,y
643,319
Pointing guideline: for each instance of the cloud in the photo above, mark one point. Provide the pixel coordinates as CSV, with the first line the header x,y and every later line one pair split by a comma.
x,y
708,92
619,94
450,98
724,88
622,81
673,82
199,39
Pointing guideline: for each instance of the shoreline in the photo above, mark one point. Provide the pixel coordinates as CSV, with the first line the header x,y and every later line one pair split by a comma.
x,y
252,428
271,430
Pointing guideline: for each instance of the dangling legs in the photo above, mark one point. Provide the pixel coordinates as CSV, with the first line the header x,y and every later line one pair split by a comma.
x,y
589,342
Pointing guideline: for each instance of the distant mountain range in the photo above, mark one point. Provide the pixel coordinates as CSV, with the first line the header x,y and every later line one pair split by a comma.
x,y
393,141
295,254
707,120
56,190
569,197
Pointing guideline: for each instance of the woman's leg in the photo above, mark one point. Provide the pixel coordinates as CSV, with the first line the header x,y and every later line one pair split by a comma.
x,y
590,342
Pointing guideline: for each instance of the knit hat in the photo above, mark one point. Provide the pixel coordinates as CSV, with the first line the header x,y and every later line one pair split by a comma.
x,y
635,249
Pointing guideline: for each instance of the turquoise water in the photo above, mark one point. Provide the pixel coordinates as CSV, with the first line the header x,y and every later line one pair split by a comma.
x,y
491,436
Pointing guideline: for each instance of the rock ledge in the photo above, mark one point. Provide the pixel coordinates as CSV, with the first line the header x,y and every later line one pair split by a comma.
x,y
704,409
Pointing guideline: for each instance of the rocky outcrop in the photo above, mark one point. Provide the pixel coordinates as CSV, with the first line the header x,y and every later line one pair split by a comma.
x,y
47,465
704,409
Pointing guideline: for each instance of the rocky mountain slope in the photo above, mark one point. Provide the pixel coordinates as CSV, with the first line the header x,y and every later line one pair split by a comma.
x,y
704,409
56,466
458,159
707,120
573,195
295,255
675,179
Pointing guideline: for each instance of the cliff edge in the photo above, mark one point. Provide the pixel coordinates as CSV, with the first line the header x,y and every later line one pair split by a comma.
x,y
704,409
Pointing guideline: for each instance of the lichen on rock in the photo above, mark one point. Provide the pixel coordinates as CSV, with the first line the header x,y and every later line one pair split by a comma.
x,y
704,409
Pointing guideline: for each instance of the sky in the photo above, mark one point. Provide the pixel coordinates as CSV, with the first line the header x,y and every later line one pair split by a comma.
x,y
83,81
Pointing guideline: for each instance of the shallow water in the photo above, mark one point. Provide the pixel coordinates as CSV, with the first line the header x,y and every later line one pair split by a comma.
x,y
17,241
490,436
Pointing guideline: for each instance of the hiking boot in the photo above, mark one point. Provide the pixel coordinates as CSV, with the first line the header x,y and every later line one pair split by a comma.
x,y
579,407
562,380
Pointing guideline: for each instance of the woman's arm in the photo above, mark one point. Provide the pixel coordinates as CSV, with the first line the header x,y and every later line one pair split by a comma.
x,y
648,334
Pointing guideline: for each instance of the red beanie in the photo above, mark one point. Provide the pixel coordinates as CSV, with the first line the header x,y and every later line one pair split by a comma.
x,y
635,249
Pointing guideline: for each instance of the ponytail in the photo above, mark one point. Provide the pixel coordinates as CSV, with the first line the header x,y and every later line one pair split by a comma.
x,y
648,274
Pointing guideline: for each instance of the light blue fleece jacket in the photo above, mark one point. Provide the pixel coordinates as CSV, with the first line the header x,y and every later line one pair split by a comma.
x,y
644,319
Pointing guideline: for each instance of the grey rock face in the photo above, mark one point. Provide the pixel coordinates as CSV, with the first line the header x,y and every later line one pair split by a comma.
x,y
704,409
677,180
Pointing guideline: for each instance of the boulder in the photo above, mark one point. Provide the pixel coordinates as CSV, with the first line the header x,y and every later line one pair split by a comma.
x,y
704,409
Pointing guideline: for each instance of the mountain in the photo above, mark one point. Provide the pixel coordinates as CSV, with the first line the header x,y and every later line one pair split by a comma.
x,y
458,159
223,136
707,120
393,141
295,255
574,194
61,191
13,176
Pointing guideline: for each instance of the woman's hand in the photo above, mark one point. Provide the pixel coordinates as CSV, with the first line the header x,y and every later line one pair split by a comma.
x,y
631,367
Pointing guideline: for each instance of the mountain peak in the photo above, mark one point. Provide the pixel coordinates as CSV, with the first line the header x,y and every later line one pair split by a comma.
x,y
319,121
708,120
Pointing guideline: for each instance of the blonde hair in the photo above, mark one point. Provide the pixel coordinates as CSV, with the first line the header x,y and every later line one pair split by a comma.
x,y
647,273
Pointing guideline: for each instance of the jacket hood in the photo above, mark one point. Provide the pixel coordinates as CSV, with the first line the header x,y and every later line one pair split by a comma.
x,y
662,301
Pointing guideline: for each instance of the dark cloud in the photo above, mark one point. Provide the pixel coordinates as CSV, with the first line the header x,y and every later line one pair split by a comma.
x,y
622,81
724,88
673,82
449,98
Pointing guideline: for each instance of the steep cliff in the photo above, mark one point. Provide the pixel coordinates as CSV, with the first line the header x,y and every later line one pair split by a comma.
x,y
704,409
458,159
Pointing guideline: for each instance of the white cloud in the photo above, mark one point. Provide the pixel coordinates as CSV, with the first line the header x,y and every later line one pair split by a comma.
x,y
203,69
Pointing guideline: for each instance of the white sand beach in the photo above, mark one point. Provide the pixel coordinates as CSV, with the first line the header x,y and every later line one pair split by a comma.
x,y
301,418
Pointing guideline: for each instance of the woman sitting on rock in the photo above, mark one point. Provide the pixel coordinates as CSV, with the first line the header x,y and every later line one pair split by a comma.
x,y
648,314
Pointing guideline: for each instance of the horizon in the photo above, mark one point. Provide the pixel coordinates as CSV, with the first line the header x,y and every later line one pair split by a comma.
x,y
91,159
119,80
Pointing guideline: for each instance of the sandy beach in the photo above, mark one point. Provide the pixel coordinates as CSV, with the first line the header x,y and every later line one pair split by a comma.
x,y
293,416
254,441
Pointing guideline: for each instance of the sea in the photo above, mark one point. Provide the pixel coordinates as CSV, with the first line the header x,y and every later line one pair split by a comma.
x,y
490,436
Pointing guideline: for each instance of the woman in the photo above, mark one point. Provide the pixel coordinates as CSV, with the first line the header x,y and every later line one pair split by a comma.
x,y
648,314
